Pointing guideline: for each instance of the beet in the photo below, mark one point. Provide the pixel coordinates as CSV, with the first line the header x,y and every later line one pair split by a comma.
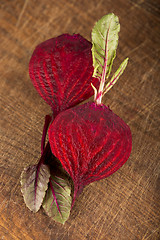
x,y
61,70
91,143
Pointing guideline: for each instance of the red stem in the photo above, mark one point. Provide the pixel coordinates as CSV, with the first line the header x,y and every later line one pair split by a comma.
x,y
104,72
77,192
43,156
48,119
44,149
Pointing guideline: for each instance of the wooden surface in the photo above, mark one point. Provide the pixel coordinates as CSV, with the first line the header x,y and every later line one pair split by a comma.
x,y
125,206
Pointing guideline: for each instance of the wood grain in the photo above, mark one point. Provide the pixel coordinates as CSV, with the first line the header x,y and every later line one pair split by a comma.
x,y
125,206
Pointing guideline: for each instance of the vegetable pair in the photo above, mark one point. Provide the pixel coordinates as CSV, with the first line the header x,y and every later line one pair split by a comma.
x,y
89,140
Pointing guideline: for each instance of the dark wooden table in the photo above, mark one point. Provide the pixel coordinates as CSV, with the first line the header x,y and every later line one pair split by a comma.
x,y
126,205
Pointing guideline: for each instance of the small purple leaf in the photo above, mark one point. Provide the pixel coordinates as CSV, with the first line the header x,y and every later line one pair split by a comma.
x,y
57,202
34,183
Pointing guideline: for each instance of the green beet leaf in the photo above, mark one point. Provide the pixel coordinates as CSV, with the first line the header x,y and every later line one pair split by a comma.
x,y
116,75
57,201
104,45
105,42
34,183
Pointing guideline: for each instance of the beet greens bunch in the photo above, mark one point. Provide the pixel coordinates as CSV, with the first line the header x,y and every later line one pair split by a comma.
x,y
87,142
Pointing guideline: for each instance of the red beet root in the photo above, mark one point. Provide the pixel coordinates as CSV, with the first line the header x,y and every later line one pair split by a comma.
x,y
61,70
91,142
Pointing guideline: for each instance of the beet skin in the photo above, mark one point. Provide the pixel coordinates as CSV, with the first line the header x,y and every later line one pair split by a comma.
x,y
91,143
61,70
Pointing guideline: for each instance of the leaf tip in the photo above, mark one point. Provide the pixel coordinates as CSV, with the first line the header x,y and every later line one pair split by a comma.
x,y
34,183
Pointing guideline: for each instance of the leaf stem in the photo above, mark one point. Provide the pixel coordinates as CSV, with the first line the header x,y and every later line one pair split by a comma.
x,y
48,119
103,78
105,41
46,152
77,191
100,90
44,149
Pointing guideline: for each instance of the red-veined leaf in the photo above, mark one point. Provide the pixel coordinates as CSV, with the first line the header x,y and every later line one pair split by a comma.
x,y
34,183
57,202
